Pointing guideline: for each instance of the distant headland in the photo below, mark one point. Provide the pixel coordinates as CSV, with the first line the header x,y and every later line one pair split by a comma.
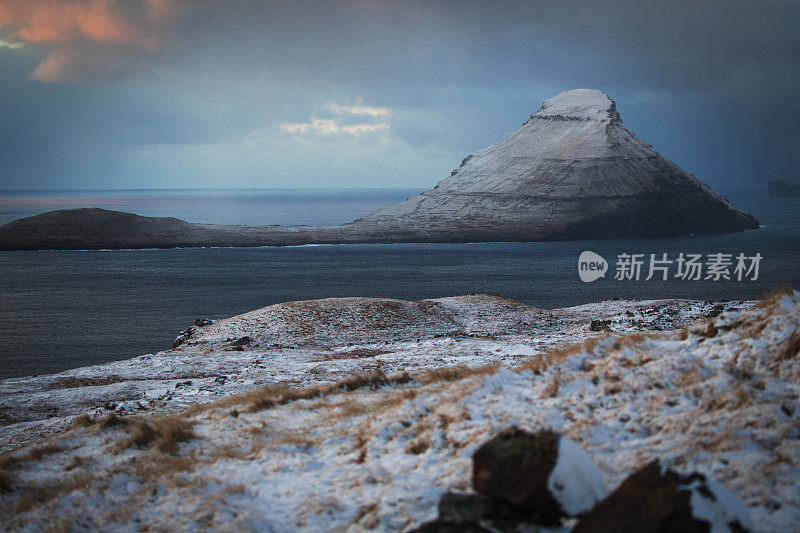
x,y
781,189
572,171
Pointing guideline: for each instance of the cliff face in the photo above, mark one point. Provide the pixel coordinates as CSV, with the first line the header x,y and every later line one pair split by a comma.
x,y
572,171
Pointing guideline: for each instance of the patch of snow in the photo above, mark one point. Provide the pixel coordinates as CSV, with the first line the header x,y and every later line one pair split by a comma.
x,y
576,482
720,509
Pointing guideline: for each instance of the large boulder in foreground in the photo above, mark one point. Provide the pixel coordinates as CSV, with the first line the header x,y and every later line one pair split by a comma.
x,y
572,171
544,474
657,499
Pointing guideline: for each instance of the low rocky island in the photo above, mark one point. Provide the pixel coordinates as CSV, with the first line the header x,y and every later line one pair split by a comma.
x,y
572,171
781,189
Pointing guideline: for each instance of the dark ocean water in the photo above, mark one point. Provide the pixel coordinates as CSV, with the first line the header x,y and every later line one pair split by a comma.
x,y
66,309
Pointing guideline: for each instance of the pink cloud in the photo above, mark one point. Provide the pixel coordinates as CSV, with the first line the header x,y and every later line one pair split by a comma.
x,y
85,37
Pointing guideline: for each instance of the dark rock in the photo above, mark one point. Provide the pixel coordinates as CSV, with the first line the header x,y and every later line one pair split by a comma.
x,y
203,322
475,512
242,341
660,500
600,325
184,336
546,475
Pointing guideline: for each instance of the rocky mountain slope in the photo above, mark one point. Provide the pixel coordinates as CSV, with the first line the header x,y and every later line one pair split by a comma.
x,y
324,430
572,171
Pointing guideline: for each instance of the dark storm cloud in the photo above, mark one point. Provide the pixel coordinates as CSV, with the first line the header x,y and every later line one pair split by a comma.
x,y
164,92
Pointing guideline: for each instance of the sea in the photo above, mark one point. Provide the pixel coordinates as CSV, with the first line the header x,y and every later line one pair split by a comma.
x,y
67,309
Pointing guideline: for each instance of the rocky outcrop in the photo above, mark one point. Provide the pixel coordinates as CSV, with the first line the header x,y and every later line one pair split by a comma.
x,y
530,481
572,171
658,499
545,474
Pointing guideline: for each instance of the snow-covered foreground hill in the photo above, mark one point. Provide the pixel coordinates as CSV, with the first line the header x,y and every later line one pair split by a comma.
x,y
359,413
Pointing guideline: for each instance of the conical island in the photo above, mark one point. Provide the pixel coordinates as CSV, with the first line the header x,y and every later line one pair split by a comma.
x,y
572,171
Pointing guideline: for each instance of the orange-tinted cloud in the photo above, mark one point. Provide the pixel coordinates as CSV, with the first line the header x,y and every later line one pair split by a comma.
x,y
83,37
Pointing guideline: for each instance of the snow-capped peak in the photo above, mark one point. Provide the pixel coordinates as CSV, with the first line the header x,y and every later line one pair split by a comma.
x,y
586,104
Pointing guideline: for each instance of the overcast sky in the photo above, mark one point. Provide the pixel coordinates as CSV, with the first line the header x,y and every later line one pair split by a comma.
x,y
257,93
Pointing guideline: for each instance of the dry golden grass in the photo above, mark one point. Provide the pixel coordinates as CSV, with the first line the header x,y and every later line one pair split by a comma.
x,y
792,346
419,445
628,339
772,298
158,469
281,394
38,452
12,461
76,462
34,497
711,330
165,433
539,363
554,387
111,421
295,438
82,421
455,373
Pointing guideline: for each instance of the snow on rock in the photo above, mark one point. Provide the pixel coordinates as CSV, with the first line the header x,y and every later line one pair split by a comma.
x,y
579,103
576,482
543,473
719,507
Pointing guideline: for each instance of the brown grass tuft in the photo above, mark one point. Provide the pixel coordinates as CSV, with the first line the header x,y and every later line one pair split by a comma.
x,y
82,421
773,297
77,462
792,346
540,362
554,387
166,433
143,435
455,373
36,497
173,430
418,446
281,394
37,453
8,461
112,421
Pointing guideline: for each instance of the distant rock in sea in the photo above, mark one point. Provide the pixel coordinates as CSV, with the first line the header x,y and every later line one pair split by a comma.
x,y
572,171
781,189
